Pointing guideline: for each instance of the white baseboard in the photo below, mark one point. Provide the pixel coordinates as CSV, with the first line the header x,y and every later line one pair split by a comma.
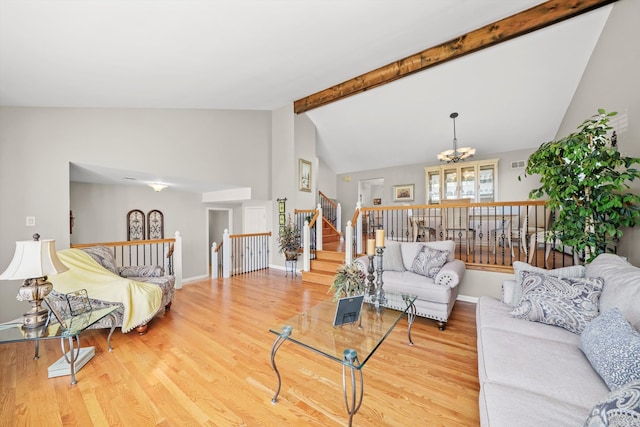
x,y
281,267
466,298
194,279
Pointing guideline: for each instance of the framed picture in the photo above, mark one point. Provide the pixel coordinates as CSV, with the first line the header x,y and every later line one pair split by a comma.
x,y
377,202
53,309
403,193
304,175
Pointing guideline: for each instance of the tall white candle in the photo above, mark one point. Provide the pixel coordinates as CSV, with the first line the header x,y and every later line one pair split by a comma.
x,y
371,247
379,238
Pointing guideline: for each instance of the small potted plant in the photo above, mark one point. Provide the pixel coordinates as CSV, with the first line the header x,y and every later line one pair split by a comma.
x,y
289,239
349,281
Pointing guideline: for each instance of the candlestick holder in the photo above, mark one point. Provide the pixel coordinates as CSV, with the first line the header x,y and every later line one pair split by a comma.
x,y
371,286
378,297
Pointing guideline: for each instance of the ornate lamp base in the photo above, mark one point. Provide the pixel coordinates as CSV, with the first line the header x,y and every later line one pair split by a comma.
x,y
34,291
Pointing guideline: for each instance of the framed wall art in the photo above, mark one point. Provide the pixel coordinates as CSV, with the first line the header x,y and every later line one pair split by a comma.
x,y
304,175
403,193
155,221
281,212
135,225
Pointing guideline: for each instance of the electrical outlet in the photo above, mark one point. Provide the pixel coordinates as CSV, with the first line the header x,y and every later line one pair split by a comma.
x,y
31,221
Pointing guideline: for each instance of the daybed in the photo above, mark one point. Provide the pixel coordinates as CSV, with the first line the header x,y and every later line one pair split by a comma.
x,y
572,358
428,270
140,291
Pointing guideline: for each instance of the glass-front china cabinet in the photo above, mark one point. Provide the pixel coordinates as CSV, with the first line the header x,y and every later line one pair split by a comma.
x,y
477,181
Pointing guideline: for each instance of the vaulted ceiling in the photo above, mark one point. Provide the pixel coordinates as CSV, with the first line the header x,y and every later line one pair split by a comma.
x,y
264,54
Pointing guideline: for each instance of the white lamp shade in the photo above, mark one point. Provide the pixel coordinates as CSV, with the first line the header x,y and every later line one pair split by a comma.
x,y
34,259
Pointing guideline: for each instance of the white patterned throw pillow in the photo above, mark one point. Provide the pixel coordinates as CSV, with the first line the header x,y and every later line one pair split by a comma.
x,y
520,268
612,346
568,303
621,408
428,262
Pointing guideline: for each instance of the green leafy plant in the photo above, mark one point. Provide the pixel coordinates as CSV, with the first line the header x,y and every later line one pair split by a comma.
x,y
349,281
289,239
585,180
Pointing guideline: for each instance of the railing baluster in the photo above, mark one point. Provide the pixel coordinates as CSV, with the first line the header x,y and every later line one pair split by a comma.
x,y
502,235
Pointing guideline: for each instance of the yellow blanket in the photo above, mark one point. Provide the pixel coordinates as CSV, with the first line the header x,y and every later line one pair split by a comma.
x,y
141,300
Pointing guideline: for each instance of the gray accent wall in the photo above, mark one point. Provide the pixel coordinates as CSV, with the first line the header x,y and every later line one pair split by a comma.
x,y
257,149
37,145
100,216
510,188
610,81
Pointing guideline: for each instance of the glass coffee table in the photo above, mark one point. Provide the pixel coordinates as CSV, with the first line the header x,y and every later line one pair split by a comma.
x,y
351,345
15,332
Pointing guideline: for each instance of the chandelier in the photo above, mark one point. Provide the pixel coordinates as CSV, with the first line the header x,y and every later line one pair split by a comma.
x,y
457,154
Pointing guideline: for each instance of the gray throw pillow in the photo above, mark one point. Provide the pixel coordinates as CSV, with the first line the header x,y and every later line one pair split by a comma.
x,y
103,256
568,303
428,262
392,257
622,285
141,271
519,268
621,408
612,346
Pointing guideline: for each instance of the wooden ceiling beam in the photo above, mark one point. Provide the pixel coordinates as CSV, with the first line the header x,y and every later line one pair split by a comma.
x,y
535,18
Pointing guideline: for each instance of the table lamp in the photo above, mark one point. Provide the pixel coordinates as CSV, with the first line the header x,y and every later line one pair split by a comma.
x,y
32,262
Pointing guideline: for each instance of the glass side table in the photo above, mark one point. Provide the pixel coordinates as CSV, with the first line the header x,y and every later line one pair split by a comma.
x,y
66,365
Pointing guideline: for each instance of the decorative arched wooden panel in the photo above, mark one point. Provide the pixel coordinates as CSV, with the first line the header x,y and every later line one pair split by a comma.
x,y
155,221
135,225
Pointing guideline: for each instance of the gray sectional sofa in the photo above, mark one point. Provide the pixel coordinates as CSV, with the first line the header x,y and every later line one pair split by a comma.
x,y
536,374
436,286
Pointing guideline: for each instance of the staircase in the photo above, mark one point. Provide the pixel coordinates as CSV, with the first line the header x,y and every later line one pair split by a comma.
x,y
324,267
329,233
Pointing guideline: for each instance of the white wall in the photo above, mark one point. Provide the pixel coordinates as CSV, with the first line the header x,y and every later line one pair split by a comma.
x,y
284,171
610,81
327,180
294,138
37,144
100,216
509,187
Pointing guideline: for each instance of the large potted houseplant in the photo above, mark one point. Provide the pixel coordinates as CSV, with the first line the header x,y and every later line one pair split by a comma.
x,y
349,281
585,180
289,239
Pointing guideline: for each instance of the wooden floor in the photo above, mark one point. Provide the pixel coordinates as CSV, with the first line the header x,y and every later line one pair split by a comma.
x,y
207,362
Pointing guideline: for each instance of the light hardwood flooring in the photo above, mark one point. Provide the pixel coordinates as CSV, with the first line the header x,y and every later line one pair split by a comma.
x,y
207,362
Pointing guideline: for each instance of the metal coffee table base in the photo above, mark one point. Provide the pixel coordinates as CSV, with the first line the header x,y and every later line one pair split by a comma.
x,y
356,383
350,356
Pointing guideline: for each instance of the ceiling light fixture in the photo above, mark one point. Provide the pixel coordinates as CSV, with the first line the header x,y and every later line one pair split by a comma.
x,y
457,154
158,187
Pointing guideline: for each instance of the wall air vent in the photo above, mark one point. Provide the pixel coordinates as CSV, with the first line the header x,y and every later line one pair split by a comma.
x,y
519,164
